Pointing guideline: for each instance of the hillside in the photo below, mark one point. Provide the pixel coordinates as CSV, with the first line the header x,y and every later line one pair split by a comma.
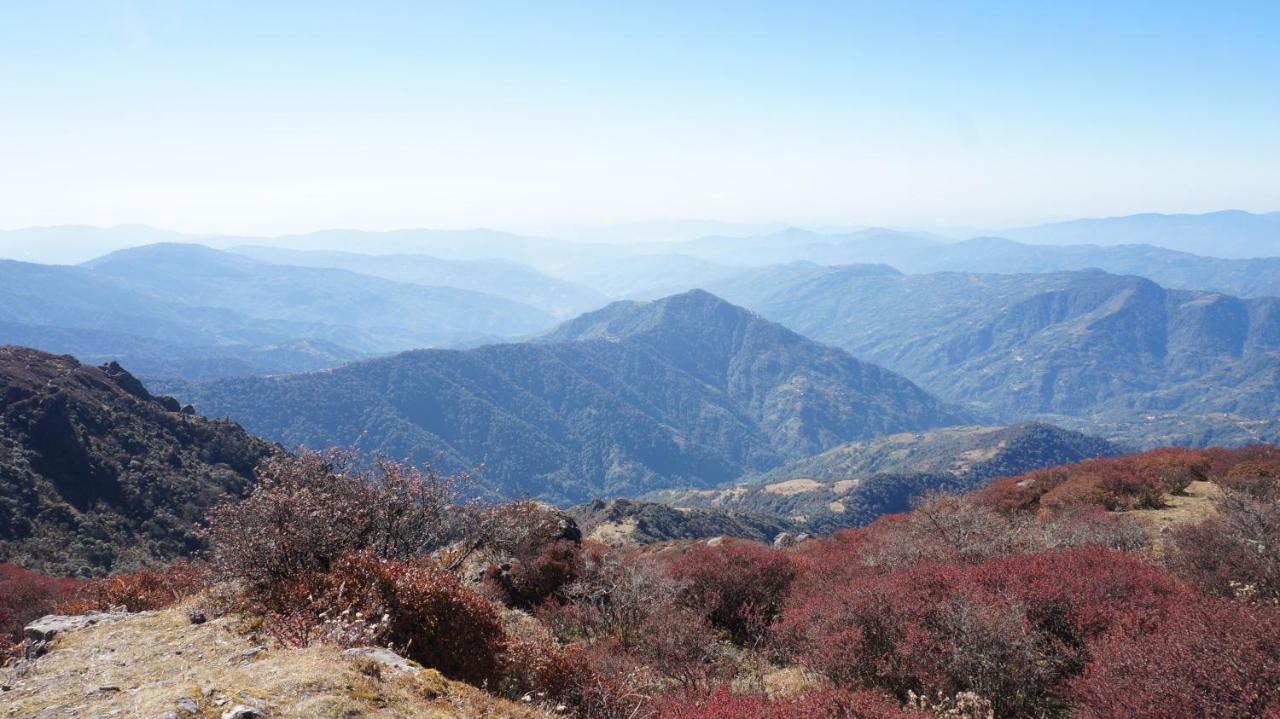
x,y
973,454
684,391
500,278
1112,349
854,483
627,521
364,313
97,474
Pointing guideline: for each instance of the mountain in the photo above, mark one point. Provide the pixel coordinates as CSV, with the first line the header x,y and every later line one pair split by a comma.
x,y
627,521
72,244
973,454
367,314
856,482
157,359
1259,277
646,277
97,474
794,244
684,391
1112,349
500,278
1229,233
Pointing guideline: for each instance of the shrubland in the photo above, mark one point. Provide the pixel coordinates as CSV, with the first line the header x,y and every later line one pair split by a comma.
x,y
1040,595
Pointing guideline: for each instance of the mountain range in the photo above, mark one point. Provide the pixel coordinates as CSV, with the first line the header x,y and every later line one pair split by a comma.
x,y
188,311
1078,344
684,391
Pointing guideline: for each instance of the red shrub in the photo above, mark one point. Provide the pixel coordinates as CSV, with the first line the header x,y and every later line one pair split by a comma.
x,y
1173,468
27,595
1235,554
1010,629
1259,478
739,586
417,608
599,681
139,591
528,582
1209,659
815,704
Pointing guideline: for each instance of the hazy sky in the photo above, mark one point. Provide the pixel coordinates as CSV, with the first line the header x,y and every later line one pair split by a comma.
x,y
263,117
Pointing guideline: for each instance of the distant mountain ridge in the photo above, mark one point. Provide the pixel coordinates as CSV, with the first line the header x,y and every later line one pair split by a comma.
x,y
1077,344
501,278
1227,233
188,311
688,390
854,483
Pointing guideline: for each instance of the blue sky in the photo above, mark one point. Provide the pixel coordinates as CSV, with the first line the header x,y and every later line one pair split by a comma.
x,y
284,116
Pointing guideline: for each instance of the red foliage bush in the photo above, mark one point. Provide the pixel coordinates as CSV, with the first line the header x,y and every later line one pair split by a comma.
x,y
815,704
1235,554
27,595
139,591
1259,478
1011,629
415,607
598,681
1128,482
529,582
739,586
1209,659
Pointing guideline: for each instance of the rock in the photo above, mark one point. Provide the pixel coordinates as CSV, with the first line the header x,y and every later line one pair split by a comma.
x,y
169,403
188,706
783,540
168,715
241,711
195,616
715,541
803,537
124,380
49,626
386,658
253,651
188,409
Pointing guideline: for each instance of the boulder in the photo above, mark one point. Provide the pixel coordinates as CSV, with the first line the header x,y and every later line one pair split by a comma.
x,y
386,658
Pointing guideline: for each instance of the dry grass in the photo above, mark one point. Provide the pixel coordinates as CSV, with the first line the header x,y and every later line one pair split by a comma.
x,y
793,486
1195,504
142,667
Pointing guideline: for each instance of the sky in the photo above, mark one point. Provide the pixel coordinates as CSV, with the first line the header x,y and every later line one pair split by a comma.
x,y
275,117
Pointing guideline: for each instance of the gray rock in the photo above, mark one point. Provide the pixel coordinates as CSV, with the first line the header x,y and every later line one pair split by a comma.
x,y
241,711
51,625
784,540
385,657
188,706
